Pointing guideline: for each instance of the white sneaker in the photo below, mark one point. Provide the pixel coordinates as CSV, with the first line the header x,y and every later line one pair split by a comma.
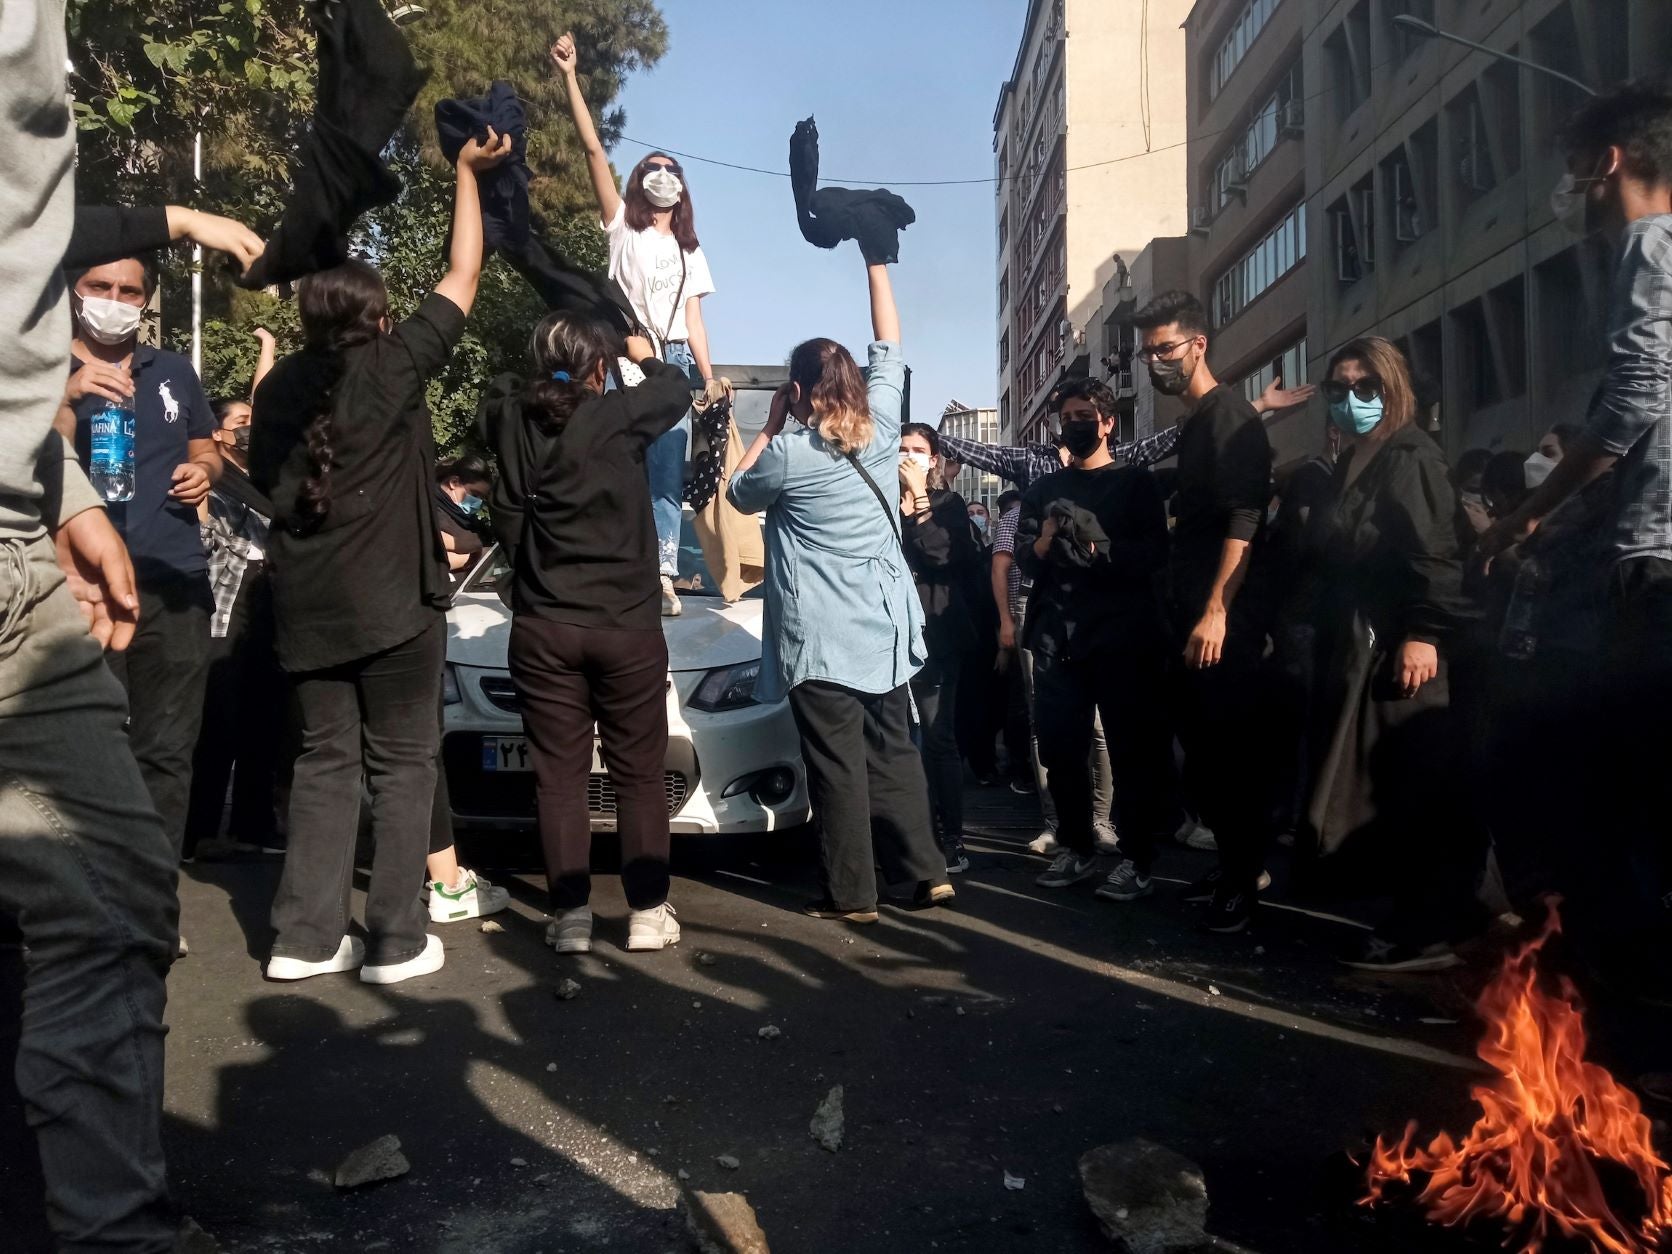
x,y
671,608
431,958
652,929
350,954
571,931
1105,837
1045,843
473,898
1193,835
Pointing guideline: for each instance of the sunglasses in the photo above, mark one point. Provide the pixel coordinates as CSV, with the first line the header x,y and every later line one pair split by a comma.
x,y
1367,388
666,164
1155,352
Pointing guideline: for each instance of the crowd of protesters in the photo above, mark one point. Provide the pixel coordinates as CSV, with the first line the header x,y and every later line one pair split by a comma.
x,y
1360,656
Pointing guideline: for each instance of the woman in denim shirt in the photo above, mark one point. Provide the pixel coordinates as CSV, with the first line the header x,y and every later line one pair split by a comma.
x,y
844,628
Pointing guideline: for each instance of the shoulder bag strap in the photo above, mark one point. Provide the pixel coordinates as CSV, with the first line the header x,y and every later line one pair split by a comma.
x,y
678,300
891,511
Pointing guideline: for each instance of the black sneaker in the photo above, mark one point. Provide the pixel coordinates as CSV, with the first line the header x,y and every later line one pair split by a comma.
x,y
824,908
1230,910
1381,954
1203,889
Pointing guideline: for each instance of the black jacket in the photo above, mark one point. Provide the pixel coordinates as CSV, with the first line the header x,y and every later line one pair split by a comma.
x,y
941,551
572,508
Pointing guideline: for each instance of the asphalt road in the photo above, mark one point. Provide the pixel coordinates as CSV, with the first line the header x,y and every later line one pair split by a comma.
x,y
1007,1035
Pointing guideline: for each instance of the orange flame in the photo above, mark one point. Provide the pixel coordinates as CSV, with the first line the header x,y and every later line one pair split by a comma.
x,y
1548,1116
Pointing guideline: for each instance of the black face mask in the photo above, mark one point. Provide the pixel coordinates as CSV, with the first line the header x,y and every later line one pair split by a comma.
x,y
1171,377
241,439
1080,438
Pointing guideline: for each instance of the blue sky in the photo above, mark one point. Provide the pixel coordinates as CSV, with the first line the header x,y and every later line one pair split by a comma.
x,y
903,89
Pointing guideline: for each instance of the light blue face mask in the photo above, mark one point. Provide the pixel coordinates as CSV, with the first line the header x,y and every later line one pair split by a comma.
x,y
1354,416
471,503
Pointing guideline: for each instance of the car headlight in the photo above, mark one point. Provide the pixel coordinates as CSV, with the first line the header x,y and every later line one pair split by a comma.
x,y
728,688
450,694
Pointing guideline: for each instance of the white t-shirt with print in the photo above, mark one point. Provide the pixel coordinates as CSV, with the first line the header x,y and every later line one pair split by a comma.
x,y
646,264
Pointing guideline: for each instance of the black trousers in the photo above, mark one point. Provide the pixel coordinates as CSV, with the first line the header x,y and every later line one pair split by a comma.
x,y
937,700
1229,756
868,791
1127,687
245,708
164,672
1632,900
981,709
568,679
374,715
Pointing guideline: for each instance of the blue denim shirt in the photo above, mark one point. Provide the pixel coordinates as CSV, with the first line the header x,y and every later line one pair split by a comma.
x,y
1631,415
840,605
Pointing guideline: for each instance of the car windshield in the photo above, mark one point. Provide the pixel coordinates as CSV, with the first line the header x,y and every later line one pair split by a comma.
x,y
493,572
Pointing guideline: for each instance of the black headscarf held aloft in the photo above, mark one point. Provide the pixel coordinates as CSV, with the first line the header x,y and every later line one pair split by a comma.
x,y
504,189
829,215
367,82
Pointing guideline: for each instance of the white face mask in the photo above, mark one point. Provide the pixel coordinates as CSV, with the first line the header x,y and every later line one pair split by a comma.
x,y
1536,469
921,460
662,187
109,322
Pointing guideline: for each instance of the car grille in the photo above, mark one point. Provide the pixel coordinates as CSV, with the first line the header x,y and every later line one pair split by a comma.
x,y
502,693
510,795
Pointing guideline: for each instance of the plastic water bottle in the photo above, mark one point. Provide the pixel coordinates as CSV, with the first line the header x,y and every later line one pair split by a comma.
x,y
1519,640
111,467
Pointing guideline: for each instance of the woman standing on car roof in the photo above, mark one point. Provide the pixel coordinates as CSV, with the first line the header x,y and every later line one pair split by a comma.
x,y
571,508
655,257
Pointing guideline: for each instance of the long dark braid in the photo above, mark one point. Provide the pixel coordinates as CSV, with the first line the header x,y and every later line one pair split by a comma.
x,y
340,309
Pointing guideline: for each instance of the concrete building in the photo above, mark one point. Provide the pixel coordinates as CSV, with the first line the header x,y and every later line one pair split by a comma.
x,y
1250,113
1087,142
981,425
1111,341
1429,174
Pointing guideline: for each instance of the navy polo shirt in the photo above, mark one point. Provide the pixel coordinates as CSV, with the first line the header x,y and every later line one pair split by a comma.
x,y
169,410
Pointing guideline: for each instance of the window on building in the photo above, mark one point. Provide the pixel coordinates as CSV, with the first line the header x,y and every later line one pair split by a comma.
x,y
1004,410
1425,350
1506,324
1347,56
1569,292
1239,38
1350,265
1477,371
1501,113
1289,366
1278,117
1407,223
1004,350
1280,251
1475,172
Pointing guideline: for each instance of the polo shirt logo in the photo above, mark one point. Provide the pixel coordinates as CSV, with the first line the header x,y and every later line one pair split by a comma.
x,y
171,407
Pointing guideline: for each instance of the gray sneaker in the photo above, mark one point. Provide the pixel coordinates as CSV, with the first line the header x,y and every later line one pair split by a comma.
x,y
1068,868
1126,883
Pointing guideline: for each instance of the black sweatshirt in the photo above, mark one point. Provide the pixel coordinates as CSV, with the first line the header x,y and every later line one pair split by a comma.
x,y
1224,485
940,549
573,510
1086,601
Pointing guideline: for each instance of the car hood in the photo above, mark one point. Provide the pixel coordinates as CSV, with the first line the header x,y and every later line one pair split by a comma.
x,y
708,635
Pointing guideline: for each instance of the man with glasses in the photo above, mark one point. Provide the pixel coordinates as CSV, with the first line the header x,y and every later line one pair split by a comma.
x,y
1224,484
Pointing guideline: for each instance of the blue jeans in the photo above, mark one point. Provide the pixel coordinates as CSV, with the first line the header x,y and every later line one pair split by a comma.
x,y
665,464
89,876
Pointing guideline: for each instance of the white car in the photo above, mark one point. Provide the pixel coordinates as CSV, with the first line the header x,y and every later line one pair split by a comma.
x,y
733,764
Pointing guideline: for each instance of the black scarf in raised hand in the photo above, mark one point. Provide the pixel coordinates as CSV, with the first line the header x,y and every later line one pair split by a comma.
x,y
829,215
367,82
504,188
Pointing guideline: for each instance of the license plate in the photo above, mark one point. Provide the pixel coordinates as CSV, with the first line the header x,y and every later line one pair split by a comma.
x,y
509,755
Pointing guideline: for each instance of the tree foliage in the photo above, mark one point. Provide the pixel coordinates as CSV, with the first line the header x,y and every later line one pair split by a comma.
x,y
150,75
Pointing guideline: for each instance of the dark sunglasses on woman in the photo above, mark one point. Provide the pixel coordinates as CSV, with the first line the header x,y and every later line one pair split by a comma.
x,y
1366,389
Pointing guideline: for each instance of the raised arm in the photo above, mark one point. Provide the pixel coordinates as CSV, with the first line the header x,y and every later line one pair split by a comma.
x,y
885,319
464,260
597,160
263,362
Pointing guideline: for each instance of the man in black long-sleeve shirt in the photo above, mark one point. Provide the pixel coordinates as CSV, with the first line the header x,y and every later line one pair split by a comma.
x,y
1094,538
1218,621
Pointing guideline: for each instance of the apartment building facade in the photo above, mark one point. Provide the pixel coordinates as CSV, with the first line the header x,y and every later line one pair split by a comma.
x,y
1428,202
1087,142
1249,111
981,425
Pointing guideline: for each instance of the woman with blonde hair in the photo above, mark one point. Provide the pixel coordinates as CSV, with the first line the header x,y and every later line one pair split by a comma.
x,y
843,633
1390,797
